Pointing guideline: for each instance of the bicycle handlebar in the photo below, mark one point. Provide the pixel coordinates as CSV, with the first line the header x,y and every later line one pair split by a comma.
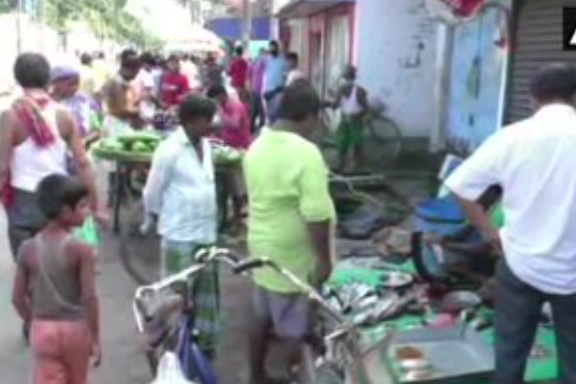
x,y
248,265
209,255
203,257
311,292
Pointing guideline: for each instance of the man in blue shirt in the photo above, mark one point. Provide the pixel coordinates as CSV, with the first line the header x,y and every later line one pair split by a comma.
x,y
275,70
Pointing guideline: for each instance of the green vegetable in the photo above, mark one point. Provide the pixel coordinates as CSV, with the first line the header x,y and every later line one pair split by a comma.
x,y
111,145
145,137
140,147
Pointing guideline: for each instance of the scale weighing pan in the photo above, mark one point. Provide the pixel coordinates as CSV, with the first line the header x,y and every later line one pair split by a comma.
x,y
455,355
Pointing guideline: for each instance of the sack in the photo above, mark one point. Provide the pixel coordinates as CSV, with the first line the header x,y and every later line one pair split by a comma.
x,y
170,371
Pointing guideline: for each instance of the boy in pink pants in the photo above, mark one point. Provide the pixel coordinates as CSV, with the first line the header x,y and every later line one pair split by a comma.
x,y
54,287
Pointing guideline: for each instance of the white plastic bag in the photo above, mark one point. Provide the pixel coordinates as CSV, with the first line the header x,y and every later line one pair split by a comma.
x,y
170,371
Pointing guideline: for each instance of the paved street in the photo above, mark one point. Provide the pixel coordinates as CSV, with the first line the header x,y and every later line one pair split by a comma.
x,y
122,362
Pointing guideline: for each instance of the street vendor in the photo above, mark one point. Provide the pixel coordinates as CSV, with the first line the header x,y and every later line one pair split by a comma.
x,y
121,97
36,137
65,90
235,132
290,221
180,192
463,252
533,161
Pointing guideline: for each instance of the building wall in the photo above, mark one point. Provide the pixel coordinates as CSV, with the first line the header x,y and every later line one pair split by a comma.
x,y
477,79
395,55
34,38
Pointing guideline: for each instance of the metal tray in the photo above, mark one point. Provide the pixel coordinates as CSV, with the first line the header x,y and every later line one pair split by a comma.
x,y
456,355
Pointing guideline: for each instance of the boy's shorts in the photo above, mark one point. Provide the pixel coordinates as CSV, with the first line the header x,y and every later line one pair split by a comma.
x,y
289,314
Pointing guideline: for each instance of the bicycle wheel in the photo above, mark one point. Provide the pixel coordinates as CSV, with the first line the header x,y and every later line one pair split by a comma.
x,y
383,143
139,254
325,137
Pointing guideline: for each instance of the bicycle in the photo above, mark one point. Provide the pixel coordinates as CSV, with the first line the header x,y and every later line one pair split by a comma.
x,y
382,143
341,357
336,357
170,324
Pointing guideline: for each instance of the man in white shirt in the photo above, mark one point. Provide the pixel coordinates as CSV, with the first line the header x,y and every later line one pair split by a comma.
x,y
533,161
294,72
180,192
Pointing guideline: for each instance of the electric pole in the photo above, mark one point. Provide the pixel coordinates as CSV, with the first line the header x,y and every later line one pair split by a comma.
x,y
19,27
247,23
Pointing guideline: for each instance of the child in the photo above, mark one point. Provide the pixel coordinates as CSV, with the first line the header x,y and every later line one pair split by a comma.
x,y
54,288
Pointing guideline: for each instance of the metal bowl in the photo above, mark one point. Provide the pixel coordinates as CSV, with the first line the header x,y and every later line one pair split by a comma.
x,y
415,364
397,279
460,300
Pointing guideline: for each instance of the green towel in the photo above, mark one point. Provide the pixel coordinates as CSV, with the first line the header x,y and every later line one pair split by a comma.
x,y
88,233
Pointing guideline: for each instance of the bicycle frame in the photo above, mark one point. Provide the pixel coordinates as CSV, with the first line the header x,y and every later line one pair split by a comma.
x,y
342,344
204,256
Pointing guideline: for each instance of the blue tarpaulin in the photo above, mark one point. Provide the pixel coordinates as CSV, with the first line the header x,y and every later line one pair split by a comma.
x,y
231,28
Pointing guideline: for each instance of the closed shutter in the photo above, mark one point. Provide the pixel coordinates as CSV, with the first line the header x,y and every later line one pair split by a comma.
x,y
539,40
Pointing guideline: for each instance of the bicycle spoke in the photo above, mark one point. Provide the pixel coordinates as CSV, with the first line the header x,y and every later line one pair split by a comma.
x,y
383,143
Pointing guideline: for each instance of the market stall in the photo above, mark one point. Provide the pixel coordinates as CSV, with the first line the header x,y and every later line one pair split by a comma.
x,y
446,344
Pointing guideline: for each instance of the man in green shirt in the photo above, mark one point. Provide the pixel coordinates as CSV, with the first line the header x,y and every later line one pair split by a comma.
x,y
290,221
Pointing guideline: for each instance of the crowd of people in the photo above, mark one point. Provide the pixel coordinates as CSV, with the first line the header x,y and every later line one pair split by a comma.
x,y
48,189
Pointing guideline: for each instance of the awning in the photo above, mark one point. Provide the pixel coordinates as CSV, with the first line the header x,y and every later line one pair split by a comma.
x,y
198,39
232,28
302,8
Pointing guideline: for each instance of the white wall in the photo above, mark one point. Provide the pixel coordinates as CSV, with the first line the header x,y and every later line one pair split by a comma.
x,y
34,38
45,40
395,57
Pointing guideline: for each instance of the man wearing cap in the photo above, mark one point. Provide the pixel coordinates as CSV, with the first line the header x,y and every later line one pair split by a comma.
x,y
65,83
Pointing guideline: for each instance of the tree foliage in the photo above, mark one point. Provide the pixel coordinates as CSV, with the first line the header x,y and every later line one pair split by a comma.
x,y
8,5
106,18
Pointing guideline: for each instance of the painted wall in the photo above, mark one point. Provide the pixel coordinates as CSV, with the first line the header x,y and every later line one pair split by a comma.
x,y
395,54
477,79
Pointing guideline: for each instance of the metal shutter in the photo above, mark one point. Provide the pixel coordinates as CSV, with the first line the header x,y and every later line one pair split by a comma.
x,y
539,37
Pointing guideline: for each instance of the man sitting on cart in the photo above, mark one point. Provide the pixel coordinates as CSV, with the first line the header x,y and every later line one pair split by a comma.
x,y
180,193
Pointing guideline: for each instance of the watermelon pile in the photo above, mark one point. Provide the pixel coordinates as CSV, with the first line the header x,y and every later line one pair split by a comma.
x,y
138,146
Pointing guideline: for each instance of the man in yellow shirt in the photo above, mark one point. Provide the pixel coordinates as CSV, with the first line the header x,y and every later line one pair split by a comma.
x,y
291,216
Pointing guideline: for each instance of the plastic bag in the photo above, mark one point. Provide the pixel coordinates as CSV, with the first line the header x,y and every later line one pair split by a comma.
x,y
87,233
170,371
